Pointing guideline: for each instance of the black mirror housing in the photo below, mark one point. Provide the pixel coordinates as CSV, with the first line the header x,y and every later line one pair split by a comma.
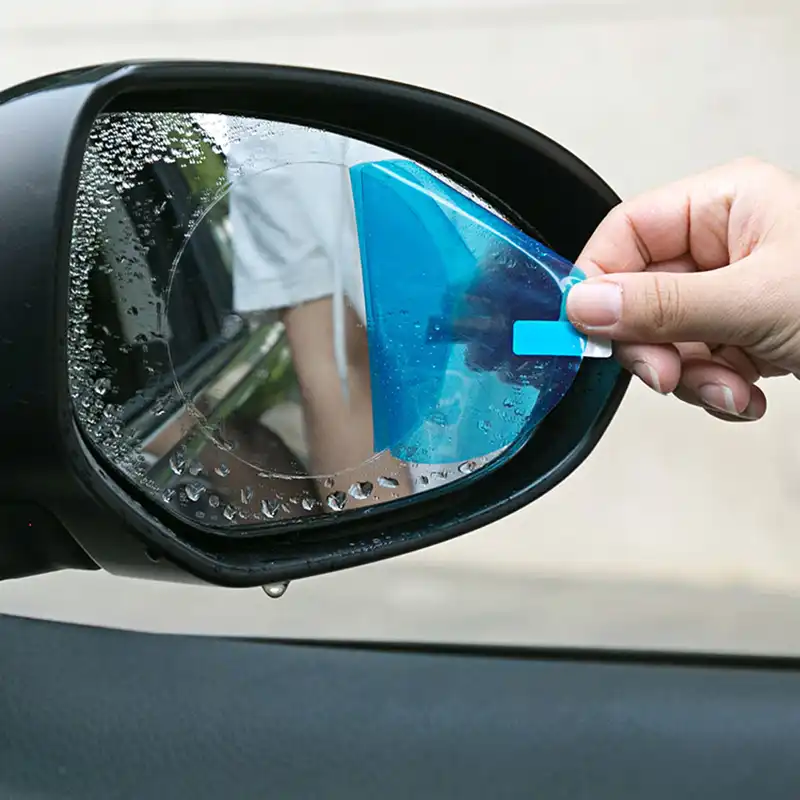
x,y
61,507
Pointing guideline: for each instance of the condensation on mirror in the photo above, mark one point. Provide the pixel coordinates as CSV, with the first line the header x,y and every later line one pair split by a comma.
x,y
257,331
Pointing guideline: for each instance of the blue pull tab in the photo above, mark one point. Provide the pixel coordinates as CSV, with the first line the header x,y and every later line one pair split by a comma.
x,y
535,338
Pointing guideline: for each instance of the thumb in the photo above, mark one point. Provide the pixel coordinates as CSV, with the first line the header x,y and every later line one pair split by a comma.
x,y
719,306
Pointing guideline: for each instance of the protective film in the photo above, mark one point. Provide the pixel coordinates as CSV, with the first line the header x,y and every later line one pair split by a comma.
x,y
469,343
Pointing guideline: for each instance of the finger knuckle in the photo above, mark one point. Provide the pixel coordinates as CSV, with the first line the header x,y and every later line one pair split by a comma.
x,y
756,171
663,304
617,212
750,163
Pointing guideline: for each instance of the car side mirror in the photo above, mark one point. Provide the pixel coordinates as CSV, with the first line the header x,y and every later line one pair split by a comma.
x,y
261,323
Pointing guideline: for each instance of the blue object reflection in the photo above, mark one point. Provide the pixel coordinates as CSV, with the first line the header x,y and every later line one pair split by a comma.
x,y
445,281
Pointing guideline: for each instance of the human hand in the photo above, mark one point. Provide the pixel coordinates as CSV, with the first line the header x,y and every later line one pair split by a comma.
x,y
698,284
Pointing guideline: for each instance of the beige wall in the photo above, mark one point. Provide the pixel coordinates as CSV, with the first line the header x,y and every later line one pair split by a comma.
x,y
643,91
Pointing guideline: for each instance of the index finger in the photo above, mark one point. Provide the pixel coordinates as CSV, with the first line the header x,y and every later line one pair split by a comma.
x,y
684,220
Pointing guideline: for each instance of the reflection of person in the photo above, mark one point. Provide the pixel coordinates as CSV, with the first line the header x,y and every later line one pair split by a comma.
x,y
296,251
698,283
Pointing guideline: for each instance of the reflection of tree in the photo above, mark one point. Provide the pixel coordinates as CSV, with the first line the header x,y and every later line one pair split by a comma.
x,y
205,173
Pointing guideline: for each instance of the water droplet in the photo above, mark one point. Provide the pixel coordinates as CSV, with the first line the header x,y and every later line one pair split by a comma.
x,y
177,462
194,491
329,483
388,483
168,495
309,503
467,468
246,494
225,444
424,480
269,508
231,325
361,491
275,590
161,404
485,426
101,386
229,512
337,501
195,468
213,501
508,402
223,470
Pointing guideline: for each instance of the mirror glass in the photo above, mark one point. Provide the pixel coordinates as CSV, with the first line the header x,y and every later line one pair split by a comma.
x,y
270,322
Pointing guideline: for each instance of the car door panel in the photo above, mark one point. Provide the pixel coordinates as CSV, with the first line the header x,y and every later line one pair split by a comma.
x,y
96,713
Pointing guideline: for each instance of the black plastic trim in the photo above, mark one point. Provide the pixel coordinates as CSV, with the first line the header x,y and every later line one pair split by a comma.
x,y
96,713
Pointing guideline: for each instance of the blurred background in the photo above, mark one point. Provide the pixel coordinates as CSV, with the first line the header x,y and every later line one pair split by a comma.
x,y
680,532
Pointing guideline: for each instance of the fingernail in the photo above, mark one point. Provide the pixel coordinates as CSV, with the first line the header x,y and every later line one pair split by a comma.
x,y
749,413
595,304
726,417
718,397
646,373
